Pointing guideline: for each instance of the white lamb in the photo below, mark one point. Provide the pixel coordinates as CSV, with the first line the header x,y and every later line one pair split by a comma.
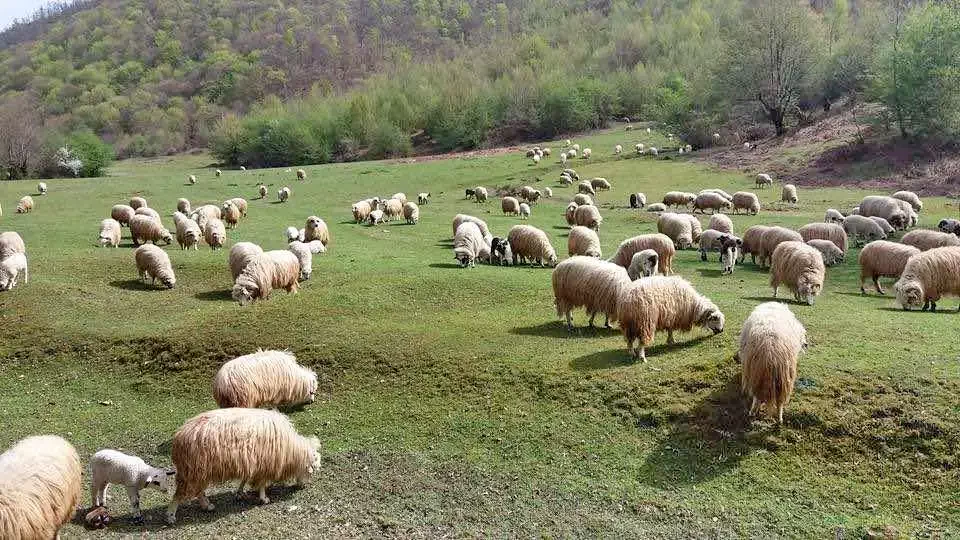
x,y
11,268
113,467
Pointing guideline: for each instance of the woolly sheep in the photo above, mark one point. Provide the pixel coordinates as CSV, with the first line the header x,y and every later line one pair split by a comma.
x,y
293,233
25,205
480,194
586,188
301,175
883,259
730,247
660,243
10,269
570,213
360,210
11,243
789,194
677,228
262,191
639,148
720,222
886,207
618,149
192,179
547,151
583,241
924,239
928,276
576,147
462,218
278,269
183,205
284,194
695,227
800,268
468,244
215,234
745,200
563,158
643,264
911,198
763,180
572,153
150,212
114,467
531,244
861,228
147,229
752,241
548,192
770,342
510,206
241,205
205,213
678,198
828,250
536,159
663,303
949,226
711,240
885,225
42,188
772,237
392,209
825,231
638,200
657,207
154,263
316,229
912,216
264,379
122,213
600,184
423,198
231,214
588,215
137,202
411,213
217,173
242,254
304,257
833,216
855,211
39,487
524,211
251,445
653,151
719,192
109,233
572,173
375,217
582,199
589,283
565,180
587,153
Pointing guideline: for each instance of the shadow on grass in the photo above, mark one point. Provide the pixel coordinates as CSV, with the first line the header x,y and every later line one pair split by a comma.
x,y
619,356
561,228
710,272
870,295
215,296
782,300
445,265
940,311
277,202
558,329
132,285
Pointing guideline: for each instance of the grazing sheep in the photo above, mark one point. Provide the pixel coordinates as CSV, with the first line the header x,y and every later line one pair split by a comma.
x,y
600,184
643,264
770,342
833,216
912,216
122,213
828,250
316,229
150,212
883,259
284,194
241,205
657,207
264,379
576,147
825,231
231,214
911,198
480,194
10,269
696,229
638,200
469,245
462,218
25,205
137,202
524,211
361,211
510,206
663,303
711,240
565,180
582,199
653,151
254,446
924,239
752,242
192,179
618,149
800,268
205,213
547,192
42,188
547,152
570,213
500,252
469,193
293,233
789,194
884,225
11,243
586,188
951,226
763,180
677,228
886,207
720,222
571,153
109,233
861,228
589,283
215,234
773,237
678,199
638,147
39,487
563,158
154,263
183,206
217,173
114,467
278,269
531,244
392,209
587,153
745,200
583,241
242,254
147,229
928,276
423,198
304,257
660,243
588,215
572,174
411,213
536,159
719,192
855,211
262,191
301,175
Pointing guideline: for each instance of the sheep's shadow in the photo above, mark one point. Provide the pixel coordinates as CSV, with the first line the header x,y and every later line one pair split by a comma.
x,y
561,228
558,329
348,222
445,265
917,312
620,356
215,296
233,185
710,272
869,295
781,299
134,285
277,202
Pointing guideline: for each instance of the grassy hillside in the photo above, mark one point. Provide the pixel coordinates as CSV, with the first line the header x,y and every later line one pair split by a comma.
x,y
453,402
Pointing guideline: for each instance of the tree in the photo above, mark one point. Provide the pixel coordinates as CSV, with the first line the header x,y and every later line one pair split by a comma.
x,y
770,57
20,141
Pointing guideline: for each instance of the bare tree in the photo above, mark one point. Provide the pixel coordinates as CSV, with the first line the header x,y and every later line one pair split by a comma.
x,y
20,135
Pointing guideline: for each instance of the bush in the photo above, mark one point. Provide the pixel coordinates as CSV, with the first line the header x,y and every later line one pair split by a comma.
x,y
94,154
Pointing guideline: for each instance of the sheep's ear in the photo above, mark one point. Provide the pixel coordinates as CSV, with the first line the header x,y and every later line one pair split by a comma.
x,y
171,473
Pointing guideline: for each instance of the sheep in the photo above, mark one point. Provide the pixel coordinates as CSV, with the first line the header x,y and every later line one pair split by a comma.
x,y
25,205
500,251
42,188
547,152
154,263
884,225
571,173
192,179
657,207
833,216
150,212
588,215
638,147
215,234
241,205
928,276
716,137
911,198
531,244
252,445
411,213
789,194
231,214
771,238
122,213
770,342
183,206
11,243
912,216
137,202
278,269
663,303
571,153
589,283
660,243
654,152
205,213
242,254
461,218
886,207
524,211
188,234
563,158
301,175
677,228
547,192
570,213
582,199
109,233
360,210
719,192
534,196
510,206
949,226
587,153
583,241
600,184
825,231
643,264
678,199
284,194
262,191
39,487
689,148
800,268
423,198
218,173
763,180
828,250
745,200
316,229
10,269
264,379
618,149
147,229
860,228
114,467
480,194
536,159
730,247
720,222
752,241
469,193
576,147
586,188
924,239
638,200
565,180
469,245
883,259
375,217
711,240
855,211
392,209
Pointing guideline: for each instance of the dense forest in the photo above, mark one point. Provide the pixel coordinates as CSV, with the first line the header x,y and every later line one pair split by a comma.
x,y
290,81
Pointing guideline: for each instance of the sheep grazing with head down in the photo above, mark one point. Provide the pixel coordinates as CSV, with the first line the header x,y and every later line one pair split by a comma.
x,y
717,191
924,239
886,207
316,229
526,193
42,188
188,232
264,379
255,446
480,194
600,184
205,213
463,218
241,205
547,192
587,153
789,194
770,342
589,283
833,216
231,214
618,149
657,207
653,151
745,200
638,200
911,198
828,250
10,269
25,205
863,228
183,206
242,254
114,467
643,264
763,180
531,244
572,174
772,237
109,233
510,206
39,487
677,227
799,267
215,234
752,241
588,215
122,213
883,259
927,277
951,226
301,175
304,257
583,241
663,303
524,211
147,229
10,244
154,263
423,198
411,213
885,226
660,243
570,213
137,202
825,231
720,222
638,148
284,194
469,245
678,199
278,269
192,179
586,188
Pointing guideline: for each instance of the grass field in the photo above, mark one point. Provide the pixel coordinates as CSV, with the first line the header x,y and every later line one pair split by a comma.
x,y
454,403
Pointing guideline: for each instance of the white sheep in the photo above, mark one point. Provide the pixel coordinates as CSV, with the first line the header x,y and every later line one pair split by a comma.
x,y
480,194
411,213
284,194
25,205
109,234
588,215
638,200
924,239
547,192
262,191
677,227
510,206
42,188
423,198
638,147
188,233
39,488
583,241
653,151
114,467
582,198
571,212
301,175
204,213
863,228
218,173
764,180
586,188
524,211
600,184
215,234
304,257
927,277
643,264
772,237
678,198
183,206
745,200
137,202
720,222
148,229
589,283
392,209
149,212
885,225
316,229
618,149
375,217
242,254
799,267
828,250
122,213
911,198
789,194
277,269
657,207
462,218
587,153
825,231
753,242
469,245
770,342
531,243
264,378
231,214
10,269
154,263
833,216
883,259
660,243
886,207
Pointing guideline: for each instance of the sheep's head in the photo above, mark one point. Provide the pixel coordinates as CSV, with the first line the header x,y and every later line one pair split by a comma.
x,y
909,293
168,282
463,256
713,320
552,259
313,222
166,237
242,294
808,290
162,479
105,241
684,241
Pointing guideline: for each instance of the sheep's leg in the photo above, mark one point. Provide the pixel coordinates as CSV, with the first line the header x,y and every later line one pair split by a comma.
x,y
606,320
263,493
592,315
240,489
26,275
754,405
172,512
670,340
569,322
642,355
775,287
98,492
134,494
780,415
205,503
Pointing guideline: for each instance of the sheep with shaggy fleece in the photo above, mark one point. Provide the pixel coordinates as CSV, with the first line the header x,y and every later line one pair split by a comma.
x,y
122,213
678,199
316,247
526,193
773,237
278,269
241,205
583,241
660,243
242,254
375,217
600,184
39,487
188,233
10,243
730,247
924,239
663,303
469,245
137,202
618,149
657,207
928,276
883,259
789,194
262,191
643,264
149,212
885,226
570,213
677,228
304,257
109,233
264,379
586,188
638,200
833,216
283,195
745,200
218,173
480,194
154,263
361,211
886,207
316,229
392,209
862,228
301,175
588,215
572,173
510,206
531,244
42,188
828,250
911,198
10,269
720,222
565,179
205,213
463,218
183,206
582,199
411,213
589,283
231,214
254,446
719,192
752,241
25,205
114,467
763,180
711,240
192,179
825,231
547,192
524,211
215,234
147,229
770,342
800,268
